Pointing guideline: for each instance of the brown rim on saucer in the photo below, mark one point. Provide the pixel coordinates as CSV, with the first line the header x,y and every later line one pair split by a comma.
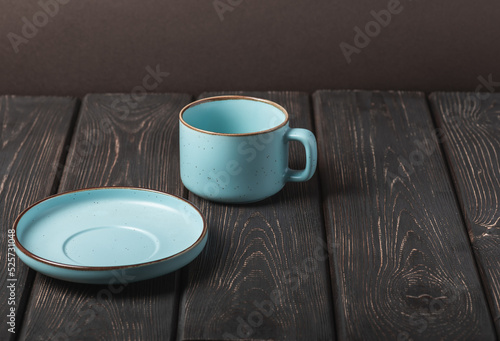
x,y
105,268
233,97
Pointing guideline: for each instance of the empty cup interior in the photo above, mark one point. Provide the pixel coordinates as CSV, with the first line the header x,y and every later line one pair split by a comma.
x,y
234,116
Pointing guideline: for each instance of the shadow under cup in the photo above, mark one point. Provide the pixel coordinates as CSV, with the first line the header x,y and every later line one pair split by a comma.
x,y
234,149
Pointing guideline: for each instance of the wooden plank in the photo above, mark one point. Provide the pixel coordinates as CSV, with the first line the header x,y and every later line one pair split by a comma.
x,y
118,142
263,273
33,133
402,264
470,127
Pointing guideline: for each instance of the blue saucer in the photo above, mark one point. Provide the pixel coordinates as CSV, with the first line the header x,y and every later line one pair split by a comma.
x,y
109,235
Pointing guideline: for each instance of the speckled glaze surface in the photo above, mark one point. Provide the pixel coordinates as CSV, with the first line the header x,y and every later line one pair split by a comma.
x,y
101,235
234,149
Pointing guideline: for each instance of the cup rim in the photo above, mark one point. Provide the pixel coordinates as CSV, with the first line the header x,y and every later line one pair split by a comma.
x,y
233,97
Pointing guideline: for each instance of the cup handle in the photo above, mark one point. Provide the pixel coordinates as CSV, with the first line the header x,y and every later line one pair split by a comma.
x,y
307,138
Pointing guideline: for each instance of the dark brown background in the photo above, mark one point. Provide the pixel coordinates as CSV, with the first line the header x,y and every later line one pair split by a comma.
x,y
105,46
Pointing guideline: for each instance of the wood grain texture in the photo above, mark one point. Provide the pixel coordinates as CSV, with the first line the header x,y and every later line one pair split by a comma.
x,y
470,126
402,264
264,272
33,131
117,142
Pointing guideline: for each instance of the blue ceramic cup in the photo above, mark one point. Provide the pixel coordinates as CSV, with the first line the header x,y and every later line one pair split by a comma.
x,y
234,149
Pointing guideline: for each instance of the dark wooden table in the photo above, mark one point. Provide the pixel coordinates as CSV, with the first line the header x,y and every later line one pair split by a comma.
x,y
396,237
